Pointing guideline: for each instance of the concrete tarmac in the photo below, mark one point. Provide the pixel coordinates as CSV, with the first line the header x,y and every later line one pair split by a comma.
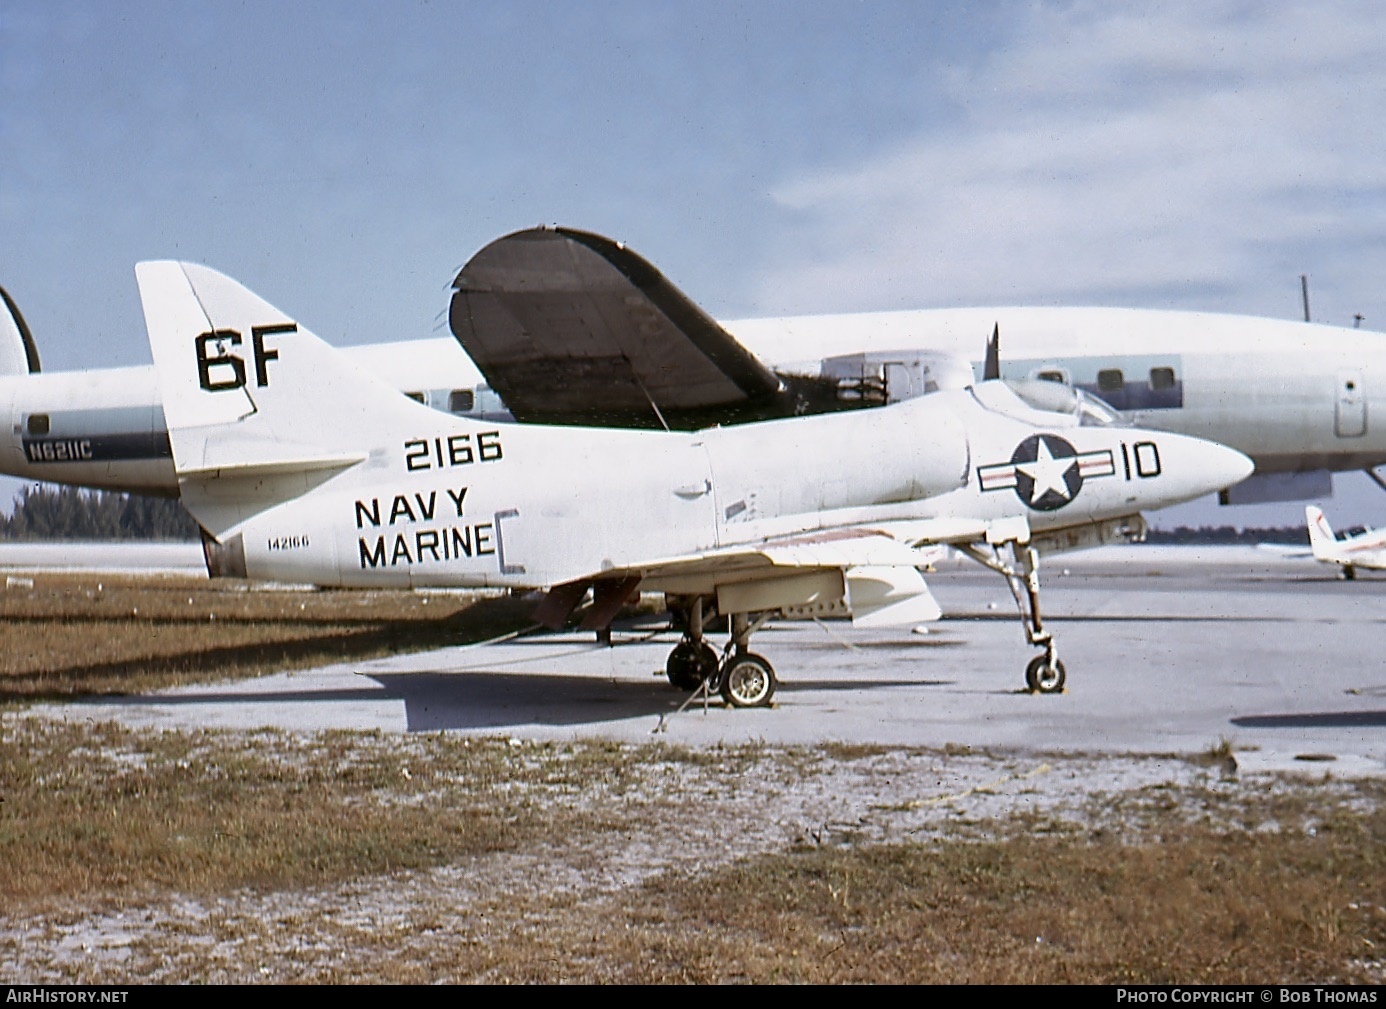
x,y
87,557
1168,650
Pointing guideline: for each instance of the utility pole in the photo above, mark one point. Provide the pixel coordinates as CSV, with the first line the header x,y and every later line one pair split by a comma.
x,y
1304,289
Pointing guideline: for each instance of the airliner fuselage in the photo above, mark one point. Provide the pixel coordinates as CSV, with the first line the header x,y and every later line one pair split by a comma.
x,y
1302,400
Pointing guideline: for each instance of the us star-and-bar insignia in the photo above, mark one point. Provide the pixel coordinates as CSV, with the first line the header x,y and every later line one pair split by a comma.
x,y
1046,471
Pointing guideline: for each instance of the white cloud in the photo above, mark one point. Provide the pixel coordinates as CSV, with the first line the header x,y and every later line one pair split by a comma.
x,y
1142,157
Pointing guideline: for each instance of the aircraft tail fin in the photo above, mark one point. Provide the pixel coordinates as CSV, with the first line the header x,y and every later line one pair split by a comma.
x,y
991,370
258,409
1321,538
18,352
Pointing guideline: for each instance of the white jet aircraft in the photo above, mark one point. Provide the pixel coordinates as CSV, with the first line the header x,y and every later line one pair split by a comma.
x,y
1366,549
569,327
302,466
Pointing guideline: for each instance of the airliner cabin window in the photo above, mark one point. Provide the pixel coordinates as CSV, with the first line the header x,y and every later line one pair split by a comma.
x,y
38,423
1110,380
1162,378
460,401
1051,376
417,397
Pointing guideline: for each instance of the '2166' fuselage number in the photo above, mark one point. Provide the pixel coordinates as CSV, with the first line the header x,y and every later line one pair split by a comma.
x,y
453,450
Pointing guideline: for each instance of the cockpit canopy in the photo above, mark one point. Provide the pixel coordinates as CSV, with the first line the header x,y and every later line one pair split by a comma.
x,y
1055,397
1047,404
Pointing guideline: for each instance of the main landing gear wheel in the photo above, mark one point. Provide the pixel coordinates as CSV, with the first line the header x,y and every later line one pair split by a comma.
x,y
1043,676
748,682
690,663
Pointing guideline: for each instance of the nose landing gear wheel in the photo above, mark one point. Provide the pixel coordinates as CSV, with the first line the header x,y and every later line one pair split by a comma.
x,y
1044,677
749,681
690,663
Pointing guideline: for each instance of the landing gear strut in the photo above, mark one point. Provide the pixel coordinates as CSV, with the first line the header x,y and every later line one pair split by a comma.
x,y
1045,673
743,678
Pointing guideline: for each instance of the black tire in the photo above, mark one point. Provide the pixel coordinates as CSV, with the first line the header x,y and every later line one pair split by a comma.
x,y
1042,678
689,664
749,681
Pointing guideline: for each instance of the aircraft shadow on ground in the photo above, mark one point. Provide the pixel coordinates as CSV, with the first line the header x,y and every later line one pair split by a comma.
x,y
919,642
1314,720
440,701
479,699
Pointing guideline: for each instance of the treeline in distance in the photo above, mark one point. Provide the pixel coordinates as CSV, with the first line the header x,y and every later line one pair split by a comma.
x,y
46,512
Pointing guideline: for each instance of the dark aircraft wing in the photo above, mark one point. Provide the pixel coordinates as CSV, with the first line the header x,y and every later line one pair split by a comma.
x,y
569,327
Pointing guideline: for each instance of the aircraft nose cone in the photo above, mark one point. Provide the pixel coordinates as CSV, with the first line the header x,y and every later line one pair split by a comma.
x,y
1217,466
1187,468
1235,466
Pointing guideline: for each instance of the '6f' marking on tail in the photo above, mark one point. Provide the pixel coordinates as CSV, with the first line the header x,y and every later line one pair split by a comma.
x,y
223,358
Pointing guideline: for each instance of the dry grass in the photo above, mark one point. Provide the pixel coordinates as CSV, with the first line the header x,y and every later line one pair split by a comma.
x,y
72,635
136,856
1214,907
222,856
98,809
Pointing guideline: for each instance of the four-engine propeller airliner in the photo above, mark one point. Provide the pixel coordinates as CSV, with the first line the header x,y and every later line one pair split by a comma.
x,y
569,327
300,465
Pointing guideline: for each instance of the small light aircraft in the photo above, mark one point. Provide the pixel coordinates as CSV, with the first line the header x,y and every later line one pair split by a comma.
x,y
1364,549
302,466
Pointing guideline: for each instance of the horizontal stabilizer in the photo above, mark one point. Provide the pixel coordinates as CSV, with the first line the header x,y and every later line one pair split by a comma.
x,y
290,460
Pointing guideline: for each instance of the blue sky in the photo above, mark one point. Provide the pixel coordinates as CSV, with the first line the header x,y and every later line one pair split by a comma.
x,y
344,159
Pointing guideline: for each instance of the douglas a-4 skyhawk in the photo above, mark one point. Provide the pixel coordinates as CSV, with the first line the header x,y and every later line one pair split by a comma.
x,y
300,465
